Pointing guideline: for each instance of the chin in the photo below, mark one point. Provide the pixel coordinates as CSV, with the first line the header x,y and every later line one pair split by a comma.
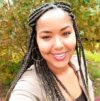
x,y
58,65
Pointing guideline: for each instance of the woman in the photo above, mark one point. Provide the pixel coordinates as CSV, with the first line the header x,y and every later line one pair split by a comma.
x,y
50,70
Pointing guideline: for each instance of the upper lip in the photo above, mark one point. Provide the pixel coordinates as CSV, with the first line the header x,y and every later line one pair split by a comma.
x,y
58,53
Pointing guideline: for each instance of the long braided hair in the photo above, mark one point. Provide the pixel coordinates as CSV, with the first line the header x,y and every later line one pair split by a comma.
x,y
33,55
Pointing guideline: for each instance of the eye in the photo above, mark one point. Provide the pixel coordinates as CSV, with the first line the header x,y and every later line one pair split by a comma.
x,y
66,33
46,37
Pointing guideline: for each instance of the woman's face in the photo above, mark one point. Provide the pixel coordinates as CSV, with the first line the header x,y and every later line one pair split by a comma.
x,y
56,38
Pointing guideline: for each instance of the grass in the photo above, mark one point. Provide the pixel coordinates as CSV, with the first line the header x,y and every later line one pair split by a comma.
x,y
94,71
93,61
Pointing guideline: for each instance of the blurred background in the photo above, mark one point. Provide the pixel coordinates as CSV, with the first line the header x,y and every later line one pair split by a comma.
x,y
14,31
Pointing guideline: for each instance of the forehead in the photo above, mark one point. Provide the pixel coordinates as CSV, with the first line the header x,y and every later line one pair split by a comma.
x,y
57,12
54,15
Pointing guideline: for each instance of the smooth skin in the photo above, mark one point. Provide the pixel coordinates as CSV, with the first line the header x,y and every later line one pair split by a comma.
x,y
56,41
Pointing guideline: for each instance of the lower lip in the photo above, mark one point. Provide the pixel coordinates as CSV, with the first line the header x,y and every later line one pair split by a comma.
x,y
59,57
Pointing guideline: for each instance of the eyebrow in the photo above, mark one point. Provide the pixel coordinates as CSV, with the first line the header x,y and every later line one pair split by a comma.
x,y
60,29
46,32
64,28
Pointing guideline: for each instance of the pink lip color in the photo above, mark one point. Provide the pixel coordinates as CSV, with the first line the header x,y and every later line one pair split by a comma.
x,y
59,56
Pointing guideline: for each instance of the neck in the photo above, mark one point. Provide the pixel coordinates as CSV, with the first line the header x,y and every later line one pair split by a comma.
x,y
60,71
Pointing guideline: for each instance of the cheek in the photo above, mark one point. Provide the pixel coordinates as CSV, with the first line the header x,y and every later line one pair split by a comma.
x,y
71,42
44,47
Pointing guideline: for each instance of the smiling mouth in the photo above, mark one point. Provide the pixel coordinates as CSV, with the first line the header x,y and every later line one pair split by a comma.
x,y
59,56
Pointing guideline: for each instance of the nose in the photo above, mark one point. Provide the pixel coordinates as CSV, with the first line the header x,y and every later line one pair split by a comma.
x,y
58,43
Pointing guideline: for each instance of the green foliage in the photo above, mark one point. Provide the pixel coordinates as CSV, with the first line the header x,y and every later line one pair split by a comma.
x,y
93,62
94,70
8,72
95,57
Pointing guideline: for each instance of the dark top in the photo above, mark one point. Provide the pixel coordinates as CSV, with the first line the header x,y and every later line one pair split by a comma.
x,y
82,97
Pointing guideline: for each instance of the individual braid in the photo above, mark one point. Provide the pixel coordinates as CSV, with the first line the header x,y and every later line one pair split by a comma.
x,y
35,12
80,51
64,6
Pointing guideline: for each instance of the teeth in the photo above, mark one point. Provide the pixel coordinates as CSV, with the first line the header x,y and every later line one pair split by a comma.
x,y
59,56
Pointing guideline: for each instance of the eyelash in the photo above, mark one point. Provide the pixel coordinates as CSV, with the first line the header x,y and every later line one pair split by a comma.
x,y
45,37
66,33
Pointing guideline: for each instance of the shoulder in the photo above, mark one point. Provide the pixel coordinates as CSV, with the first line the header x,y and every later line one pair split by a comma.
x,y
29,77
75,63
28,85
29,73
